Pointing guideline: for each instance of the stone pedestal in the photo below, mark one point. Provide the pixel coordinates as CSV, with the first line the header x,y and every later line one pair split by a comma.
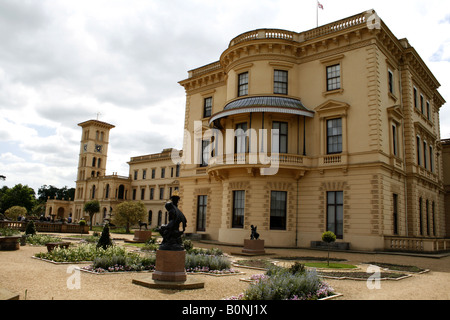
x,y
253,247
170,266
170,273
141,236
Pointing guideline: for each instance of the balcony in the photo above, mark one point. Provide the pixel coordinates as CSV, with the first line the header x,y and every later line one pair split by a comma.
x,y
257,164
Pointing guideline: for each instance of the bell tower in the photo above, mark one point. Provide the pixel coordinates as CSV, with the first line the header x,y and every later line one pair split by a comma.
x,y
93,149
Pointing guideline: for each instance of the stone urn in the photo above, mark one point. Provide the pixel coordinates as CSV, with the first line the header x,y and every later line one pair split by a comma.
x,y
9,243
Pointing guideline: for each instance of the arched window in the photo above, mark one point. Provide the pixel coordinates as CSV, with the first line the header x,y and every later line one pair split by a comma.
x,y
93,192
159,217
107,192
94,160
150,217
121,191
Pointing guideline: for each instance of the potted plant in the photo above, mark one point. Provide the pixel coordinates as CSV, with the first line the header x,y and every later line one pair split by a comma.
x,y
9,239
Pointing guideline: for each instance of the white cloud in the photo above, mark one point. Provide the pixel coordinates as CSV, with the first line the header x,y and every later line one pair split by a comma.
x,y
62,62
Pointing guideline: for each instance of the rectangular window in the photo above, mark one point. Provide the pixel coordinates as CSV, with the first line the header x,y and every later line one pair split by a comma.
x,y
419,158
177,170
280,82
278,200
334,136
153,173
238,209
416,102
243,84
427,216
431,159
240,145
142,194
201,212
207,107
163,172
334,77
135,174
280,138
134,194
425,158
144,174
394,140
335,213
152,193
205,153
161,193
433,217
420,217
421,104
428,110
391,81
395,213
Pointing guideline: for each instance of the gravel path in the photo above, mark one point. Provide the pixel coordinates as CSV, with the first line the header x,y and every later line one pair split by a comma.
x,y
38,280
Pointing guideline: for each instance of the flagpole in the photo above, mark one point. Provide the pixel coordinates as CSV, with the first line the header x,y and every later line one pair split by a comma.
x,y
317,13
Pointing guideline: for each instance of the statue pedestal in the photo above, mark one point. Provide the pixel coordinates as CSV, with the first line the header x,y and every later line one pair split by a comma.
x,y
170,273
141,236
253,247
170,266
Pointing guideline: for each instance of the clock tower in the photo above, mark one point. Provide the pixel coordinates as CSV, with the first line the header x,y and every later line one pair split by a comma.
x,y
93,149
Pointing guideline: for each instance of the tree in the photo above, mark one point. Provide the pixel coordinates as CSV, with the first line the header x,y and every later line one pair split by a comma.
x,y
51,192
92,207
128,213
328,237
16,211
19,195
31,228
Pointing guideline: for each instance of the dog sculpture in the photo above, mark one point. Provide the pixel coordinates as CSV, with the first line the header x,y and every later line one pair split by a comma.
x,y
142,224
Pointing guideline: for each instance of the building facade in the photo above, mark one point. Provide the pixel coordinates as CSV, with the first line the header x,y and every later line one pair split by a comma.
x,y
151,180
336,128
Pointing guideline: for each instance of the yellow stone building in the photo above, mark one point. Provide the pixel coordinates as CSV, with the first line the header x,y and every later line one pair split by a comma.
x,y
335,128
356,148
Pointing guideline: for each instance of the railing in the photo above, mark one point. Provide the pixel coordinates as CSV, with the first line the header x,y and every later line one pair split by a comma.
x,y
264,34
336,26
395,243
299,37
46,227
332,159
257,159
205,69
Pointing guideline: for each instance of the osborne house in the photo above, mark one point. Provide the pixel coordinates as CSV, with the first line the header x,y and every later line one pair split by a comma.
x,y
331,129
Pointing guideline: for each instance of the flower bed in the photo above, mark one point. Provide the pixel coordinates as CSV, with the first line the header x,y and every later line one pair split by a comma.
x,y
80,253
295,283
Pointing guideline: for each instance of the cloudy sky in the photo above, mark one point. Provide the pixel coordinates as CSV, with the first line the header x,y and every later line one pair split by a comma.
x,y
64,61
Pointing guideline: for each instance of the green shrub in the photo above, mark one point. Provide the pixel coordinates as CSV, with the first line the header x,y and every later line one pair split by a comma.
x,y
283,285
201,262
105,239
31,228
42,239
7,232
83,252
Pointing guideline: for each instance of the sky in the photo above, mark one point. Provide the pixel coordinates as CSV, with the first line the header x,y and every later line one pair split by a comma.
x,y
63,62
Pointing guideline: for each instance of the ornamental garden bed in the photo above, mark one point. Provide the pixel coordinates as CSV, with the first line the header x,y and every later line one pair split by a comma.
x,y
118,259
294,283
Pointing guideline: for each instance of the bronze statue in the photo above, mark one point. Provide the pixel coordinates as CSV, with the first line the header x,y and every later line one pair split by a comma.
x,y
170,232
254,235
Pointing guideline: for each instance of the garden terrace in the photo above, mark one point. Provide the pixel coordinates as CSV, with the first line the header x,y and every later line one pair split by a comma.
x,y
46,227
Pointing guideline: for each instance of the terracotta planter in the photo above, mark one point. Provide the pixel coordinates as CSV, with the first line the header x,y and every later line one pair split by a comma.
x,y
9,243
